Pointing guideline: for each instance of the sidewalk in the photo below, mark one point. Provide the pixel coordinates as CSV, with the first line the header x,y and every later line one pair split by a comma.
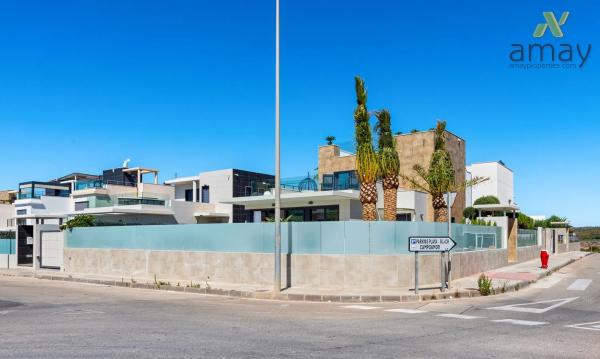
x,y
505,279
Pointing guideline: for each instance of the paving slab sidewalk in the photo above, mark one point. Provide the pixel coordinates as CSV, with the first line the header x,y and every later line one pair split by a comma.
x,y
509,278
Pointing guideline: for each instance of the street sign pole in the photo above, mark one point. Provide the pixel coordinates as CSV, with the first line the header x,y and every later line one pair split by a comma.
x,y
430,244
447,269
416,273
442,272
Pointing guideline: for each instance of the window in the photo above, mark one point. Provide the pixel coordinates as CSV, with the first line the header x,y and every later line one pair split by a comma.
x,y
404,217
345,180
248,191
294,215
329,213
21,212
80,206
317,214
189,195
205,194
327,184
332,214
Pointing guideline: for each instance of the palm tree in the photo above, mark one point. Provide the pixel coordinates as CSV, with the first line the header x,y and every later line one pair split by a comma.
x,y
439,178
389,164
330,140
367,167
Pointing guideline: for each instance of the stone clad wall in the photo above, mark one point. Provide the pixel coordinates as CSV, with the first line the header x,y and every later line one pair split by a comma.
x,y
330,161
305,270
413,148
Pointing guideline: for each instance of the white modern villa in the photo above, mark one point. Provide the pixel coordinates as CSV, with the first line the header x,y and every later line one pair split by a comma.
x,y
500,183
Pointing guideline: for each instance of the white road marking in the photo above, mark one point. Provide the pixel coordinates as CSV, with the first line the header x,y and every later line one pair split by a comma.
x,y
549,282
523,307
4,312
78,312
580,284
458,316
587,326
407,311
362,307
519,322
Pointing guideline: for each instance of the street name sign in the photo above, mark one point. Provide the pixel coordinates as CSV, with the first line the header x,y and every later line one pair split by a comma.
x,y
430,244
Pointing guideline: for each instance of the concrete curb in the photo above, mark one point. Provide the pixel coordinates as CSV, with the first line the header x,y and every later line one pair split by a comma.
x,y
464,293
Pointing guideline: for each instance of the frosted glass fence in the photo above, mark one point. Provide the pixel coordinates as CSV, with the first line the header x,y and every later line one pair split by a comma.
x,y
349,237
526,237
7,246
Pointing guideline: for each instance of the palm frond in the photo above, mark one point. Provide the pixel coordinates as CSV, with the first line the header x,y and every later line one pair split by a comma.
x,y
440,135
367,166
472,182
389,163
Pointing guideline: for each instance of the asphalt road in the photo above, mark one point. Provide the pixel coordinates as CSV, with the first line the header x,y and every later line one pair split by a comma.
x,y
45,319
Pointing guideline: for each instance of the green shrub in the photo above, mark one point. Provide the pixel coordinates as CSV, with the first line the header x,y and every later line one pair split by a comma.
x,y
470,213
485,284
487,200
82,220
525,222
7,235
483,222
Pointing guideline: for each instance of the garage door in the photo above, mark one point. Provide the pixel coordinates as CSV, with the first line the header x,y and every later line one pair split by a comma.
x,y
51,249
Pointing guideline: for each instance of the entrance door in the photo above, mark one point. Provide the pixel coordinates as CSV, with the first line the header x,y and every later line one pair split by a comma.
x,y
51,251
25,245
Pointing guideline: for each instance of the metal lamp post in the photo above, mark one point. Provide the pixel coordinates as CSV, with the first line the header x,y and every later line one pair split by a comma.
x,y
277,279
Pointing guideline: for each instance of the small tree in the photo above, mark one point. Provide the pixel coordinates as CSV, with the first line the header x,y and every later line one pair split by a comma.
x,y
330,140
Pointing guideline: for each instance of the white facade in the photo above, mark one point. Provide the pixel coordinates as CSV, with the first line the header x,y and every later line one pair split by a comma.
x,y
43,210
7,214
500,183
208,189
410,205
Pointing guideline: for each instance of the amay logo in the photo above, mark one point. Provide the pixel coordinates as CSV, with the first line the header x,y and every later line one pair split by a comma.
x,y
538,55
551,22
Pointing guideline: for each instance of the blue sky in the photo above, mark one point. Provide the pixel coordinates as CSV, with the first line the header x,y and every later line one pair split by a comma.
x,y
187,86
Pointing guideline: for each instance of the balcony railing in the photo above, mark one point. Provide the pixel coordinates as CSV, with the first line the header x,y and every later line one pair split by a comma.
x,y
147,199
258,188
141,200
83,185
40,195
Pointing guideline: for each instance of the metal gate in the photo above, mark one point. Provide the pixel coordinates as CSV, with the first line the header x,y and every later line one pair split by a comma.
x,y
51,250
25,245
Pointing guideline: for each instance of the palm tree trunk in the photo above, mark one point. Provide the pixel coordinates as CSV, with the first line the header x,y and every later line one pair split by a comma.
x,y
440,211
368,199
440,215
390,197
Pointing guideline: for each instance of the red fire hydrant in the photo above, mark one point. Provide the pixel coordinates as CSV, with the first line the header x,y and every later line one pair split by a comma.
x,y
544,256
